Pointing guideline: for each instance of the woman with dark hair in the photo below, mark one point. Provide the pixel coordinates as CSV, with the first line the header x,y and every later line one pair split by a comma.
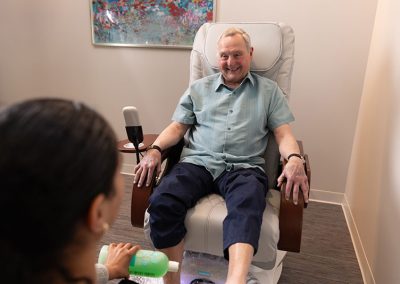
x,y
60,188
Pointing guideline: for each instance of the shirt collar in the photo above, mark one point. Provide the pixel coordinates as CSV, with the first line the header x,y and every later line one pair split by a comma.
x,y
220,81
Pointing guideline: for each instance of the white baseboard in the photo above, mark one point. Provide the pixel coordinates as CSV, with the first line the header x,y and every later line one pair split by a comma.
x,y
326,196
365,268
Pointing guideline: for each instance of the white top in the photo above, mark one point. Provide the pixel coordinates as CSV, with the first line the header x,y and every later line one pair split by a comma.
x,y
101,273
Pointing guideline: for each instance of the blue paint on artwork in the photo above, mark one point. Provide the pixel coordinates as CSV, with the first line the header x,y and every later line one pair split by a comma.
x,y
149,22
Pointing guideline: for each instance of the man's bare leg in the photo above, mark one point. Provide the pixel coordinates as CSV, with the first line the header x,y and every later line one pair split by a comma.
x,y
174,253
240,256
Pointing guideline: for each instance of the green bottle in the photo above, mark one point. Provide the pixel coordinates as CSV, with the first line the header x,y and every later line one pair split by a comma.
x,y
146,263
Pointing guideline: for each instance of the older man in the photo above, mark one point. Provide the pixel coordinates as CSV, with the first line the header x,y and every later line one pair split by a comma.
x,y
228,116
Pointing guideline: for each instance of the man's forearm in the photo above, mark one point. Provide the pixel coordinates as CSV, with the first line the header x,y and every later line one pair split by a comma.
x,y
286,141
171,135
288,146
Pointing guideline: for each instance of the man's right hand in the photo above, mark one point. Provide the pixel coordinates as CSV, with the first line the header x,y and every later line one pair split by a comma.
x,y
144,171
171,135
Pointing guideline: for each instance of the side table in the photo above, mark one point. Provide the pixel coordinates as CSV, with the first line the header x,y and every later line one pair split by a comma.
x,y
148,139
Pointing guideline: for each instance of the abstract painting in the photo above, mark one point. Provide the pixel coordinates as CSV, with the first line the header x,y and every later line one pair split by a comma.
x,y
149,23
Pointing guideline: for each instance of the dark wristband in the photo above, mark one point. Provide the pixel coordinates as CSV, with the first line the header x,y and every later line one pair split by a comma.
x,y
152,146
295,155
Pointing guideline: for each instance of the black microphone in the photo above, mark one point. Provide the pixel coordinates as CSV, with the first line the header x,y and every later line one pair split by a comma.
x,y
133,128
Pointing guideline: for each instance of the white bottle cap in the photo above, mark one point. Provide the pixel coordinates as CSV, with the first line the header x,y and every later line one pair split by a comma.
x,y
173,266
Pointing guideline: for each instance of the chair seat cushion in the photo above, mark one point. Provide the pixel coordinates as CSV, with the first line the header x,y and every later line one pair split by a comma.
x,y
204,228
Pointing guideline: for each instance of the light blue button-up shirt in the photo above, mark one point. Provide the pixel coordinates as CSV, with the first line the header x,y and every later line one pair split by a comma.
x,y
229,127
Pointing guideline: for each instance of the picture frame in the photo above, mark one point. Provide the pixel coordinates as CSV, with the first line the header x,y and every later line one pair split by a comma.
x,y
149,23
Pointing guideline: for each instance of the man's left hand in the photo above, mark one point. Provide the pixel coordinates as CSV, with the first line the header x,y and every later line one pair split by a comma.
x,y
296,178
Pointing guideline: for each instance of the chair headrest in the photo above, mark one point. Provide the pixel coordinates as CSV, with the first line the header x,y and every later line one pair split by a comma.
x,y
266,38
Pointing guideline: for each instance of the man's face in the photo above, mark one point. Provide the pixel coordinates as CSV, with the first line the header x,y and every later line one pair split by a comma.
x,y
234,59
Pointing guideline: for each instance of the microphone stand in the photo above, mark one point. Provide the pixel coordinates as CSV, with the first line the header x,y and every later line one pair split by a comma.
x,y
135,136
136,144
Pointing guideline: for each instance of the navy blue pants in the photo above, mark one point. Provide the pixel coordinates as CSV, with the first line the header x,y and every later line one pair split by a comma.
x,y
244,191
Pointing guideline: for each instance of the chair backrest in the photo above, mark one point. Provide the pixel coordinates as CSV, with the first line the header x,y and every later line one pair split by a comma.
x,y
273,58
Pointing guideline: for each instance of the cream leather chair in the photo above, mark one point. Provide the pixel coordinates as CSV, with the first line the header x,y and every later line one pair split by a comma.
x,y
281,229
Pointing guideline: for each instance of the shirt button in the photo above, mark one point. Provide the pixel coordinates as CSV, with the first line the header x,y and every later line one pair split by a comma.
x,y
230,111
229,128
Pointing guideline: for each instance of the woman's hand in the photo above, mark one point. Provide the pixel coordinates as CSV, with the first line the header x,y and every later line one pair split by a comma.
x,y
118,259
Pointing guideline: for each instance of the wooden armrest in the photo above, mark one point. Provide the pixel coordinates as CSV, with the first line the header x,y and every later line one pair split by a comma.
x,y
141,195
290,222
140,202
291,215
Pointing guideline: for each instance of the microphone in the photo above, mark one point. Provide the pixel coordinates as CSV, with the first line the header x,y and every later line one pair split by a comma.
x,y
133,128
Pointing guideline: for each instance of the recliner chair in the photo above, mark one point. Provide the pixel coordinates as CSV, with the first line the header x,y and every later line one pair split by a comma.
x,y
282,222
